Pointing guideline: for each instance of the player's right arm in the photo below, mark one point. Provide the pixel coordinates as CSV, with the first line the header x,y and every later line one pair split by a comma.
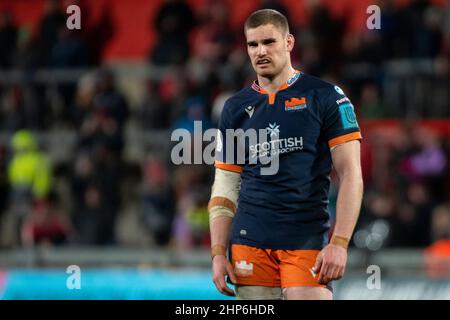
x,y
223,203
222,208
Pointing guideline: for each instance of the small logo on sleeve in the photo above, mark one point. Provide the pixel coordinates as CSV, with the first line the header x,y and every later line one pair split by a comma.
x,y
295,104
343,100
339,90
348,116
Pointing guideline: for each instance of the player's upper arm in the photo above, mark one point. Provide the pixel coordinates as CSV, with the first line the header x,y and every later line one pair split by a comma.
x,y
347,160
226,156
339,123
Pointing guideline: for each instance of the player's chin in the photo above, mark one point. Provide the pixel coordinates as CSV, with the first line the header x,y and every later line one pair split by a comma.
x,y
264,71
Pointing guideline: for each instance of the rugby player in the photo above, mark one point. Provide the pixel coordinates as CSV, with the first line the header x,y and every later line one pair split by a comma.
x,y
275,228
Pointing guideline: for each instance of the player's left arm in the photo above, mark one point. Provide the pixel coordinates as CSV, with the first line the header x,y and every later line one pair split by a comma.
x,y
332,259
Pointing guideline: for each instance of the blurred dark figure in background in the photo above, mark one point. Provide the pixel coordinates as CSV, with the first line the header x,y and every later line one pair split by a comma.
x,y
173,23
153,114
320,42
95,34
106,123
97,177
109,100
8,39
213,39
410,31
95,191
94,222
194,110
4,183
83,104
49,26
68,52
157,201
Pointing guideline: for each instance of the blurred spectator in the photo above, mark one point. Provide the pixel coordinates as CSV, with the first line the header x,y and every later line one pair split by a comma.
x,y
8,39
29,171
153,114
95,34
13,113
49,26
69,50
411,223
172,93
213,38
30,178
157,201
105,125
217,106
4,183
174,21
83,104
109,101
192,194
47,224
327,33
94,223
370,105
440,226
96,194
194,111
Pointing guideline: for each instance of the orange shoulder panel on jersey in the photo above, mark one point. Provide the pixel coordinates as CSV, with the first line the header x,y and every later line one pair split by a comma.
x,y
228,167
345,138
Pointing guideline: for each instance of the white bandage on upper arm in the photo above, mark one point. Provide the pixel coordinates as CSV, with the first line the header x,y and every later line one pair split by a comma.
x,y
224,194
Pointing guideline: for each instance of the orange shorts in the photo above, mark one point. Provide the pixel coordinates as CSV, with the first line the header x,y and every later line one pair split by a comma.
x,y
274,268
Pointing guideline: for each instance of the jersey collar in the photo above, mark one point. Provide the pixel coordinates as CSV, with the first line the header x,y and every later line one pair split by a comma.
x,y
287,84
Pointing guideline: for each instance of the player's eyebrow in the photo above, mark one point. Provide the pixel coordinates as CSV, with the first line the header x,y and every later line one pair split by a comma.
x,y
269,40
264,41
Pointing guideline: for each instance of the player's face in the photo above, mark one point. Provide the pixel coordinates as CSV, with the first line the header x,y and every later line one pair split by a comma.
x,y
269,49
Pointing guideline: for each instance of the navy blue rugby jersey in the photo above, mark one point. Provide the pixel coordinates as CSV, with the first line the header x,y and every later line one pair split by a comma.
x,y
301,122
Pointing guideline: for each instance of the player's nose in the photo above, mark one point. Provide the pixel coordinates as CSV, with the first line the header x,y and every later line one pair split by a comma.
x,y
262,51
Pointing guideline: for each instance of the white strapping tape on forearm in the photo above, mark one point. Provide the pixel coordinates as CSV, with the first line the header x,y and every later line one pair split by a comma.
x,y
224,194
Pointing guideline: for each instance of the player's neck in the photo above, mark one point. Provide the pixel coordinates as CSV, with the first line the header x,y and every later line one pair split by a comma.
x,y
272,85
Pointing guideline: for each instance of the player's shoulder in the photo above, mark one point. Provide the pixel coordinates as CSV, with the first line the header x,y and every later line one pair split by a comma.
x,y
237,100
310,82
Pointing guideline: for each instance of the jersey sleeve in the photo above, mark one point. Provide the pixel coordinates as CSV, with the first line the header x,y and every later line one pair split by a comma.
x,y
338,117
225,155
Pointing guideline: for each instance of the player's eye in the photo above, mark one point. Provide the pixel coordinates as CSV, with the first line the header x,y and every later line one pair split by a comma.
x,y
268,41
252,44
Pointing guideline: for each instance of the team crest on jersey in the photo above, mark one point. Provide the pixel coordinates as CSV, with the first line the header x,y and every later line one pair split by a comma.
x,y
295,104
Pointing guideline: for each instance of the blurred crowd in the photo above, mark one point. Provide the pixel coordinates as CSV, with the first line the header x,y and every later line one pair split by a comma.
x,y
201,61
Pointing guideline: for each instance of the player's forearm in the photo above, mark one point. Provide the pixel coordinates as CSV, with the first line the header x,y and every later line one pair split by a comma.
x,y
220,230
348,203
222,208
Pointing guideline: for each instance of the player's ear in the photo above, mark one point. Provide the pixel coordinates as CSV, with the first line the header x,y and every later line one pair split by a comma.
x,y
290,41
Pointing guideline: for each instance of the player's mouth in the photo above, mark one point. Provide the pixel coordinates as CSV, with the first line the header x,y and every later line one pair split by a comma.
x,y
262,62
